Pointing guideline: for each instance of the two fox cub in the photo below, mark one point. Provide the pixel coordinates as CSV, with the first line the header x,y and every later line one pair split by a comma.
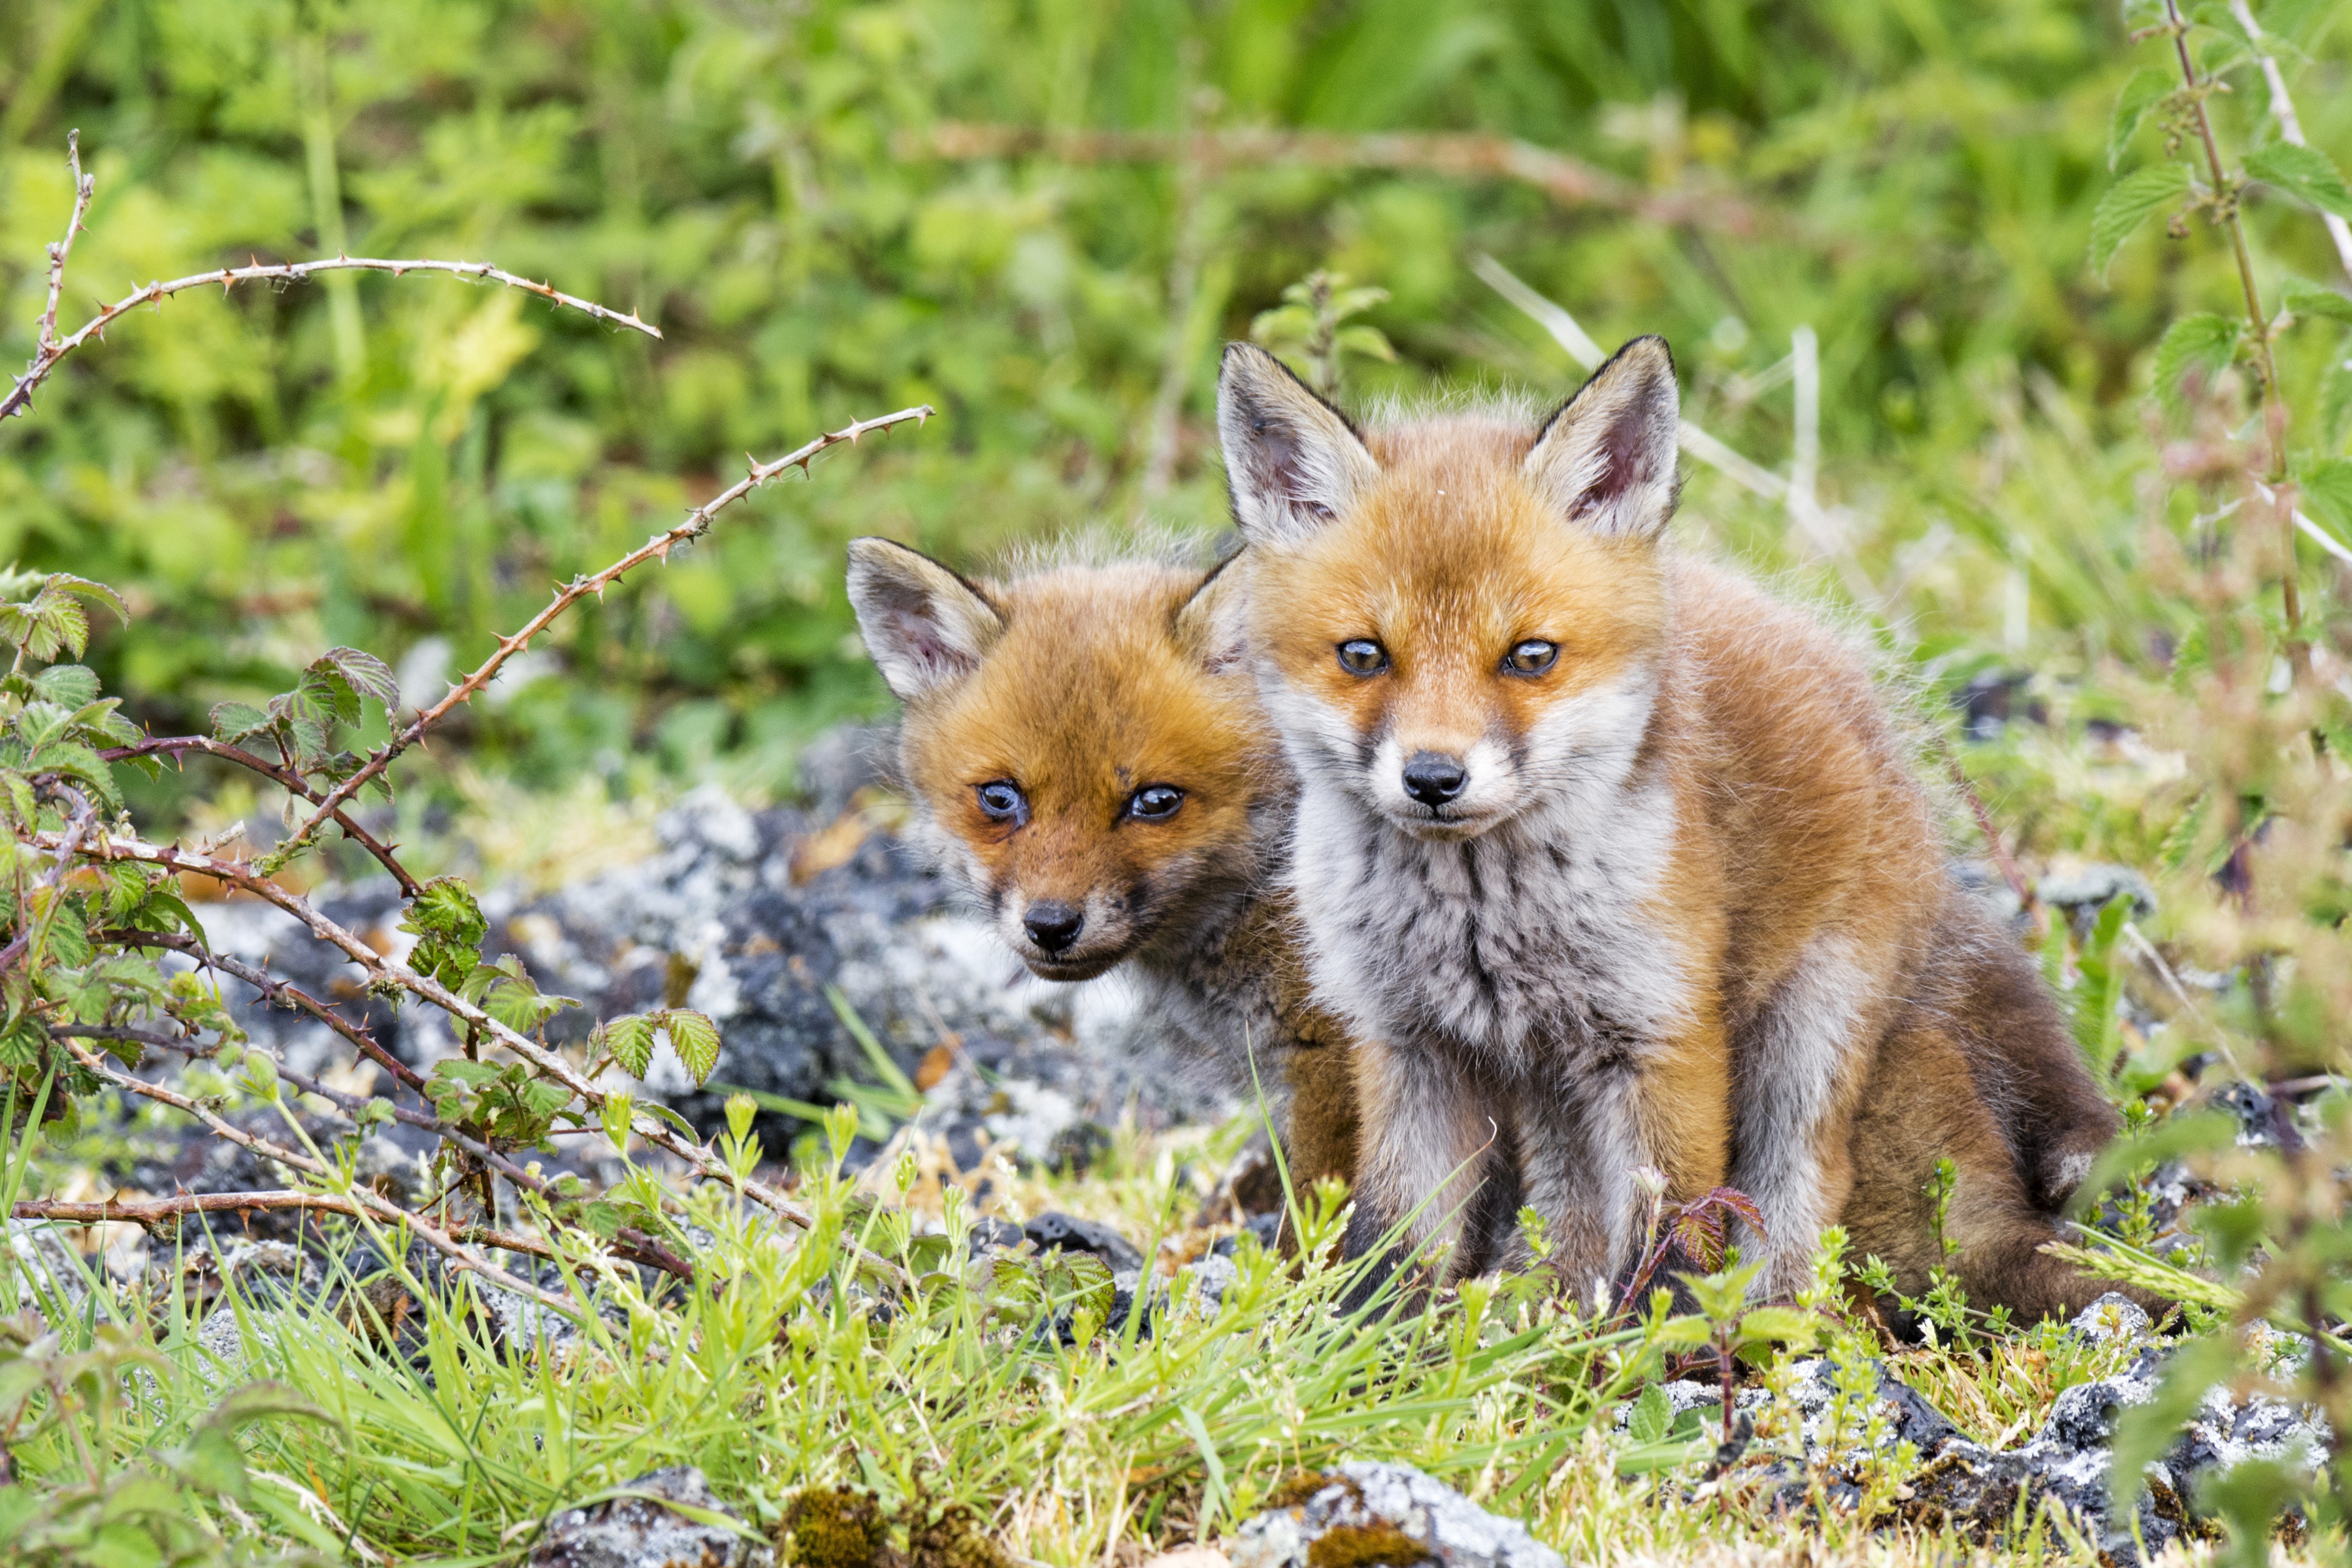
x,y
1532,853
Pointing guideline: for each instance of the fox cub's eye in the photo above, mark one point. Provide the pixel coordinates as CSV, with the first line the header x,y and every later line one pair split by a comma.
x,y
1532,658
1155,803
1362,656
1000,801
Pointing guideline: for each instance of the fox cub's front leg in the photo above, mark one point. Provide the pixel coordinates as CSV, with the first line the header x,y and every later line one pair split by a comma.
x,y
1429,1136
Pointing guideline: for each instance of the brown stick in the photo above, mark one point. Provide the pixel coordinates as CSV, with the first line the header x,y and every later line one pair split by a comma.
x,y
430,990
1568,182
660,544
375,1207
84,186
294,783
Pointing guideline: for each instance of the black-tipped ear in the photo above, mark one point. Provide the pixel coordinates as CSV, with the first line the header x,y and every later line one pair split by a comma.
x,y
926,626
1606,460
1209,624
1292,461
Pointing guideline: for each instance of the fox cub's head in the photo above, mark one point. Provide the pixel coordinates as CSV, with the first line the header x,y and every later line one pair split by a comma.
x,y
1456,618
1085,739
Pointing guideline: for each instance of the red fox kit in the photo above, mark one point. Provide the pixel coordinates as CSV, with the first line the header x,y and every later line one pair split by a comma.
x,y
1088,756
1608,860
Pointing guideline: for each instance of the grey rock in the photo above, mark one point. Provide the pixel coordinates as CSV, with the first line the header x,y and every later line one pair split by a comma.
x,y
2113,1318
640,1531
1053,1230
2091,887
1908,1417
2069,1460
1211,1278
1363,1496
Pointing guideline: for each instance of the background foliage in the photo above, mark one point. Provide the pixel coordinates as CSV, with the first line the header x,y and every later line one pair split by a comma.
x,y
404,467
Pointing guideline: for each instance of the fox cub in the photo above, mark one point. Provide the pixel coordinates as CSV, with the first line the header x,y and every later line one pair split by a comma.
x,y
1085,748
1608,860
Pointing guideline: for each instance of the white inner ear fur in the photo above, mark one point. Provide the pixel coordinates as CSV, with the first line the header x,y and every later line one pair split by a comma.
x,y
926,629
1606,461
1294,465
1213,625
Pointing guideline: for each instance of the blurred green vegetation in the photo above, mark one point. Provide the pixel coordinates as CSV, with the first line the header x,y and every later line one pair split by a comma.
x,y
408,465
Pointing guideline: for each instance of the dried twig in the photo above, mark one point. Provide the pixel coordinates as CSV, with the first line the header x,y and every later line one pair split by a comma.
x,y
570,594
1569,181
51,348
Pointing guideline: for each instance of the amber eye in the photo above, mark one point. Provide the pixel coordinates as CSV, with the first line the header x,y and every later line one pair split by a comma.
x,y
1532,656
1362,656
1155,803
1001,800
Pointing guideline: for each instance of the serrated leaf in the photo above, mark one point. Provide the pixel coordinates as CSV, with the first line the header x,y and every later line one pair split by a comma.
x,y
1778,1323
1653,1415
2328,493
66,685
2307,299
449,924
2147,88
695,1038
59,622
2204,342
76,761
2304,172
233,721
366,675
2127,205
630,1040
1369,341
96,593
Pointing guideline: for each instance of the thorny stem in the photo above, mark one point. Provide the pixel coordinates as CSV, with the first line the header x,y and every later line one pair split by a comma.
x,y
570,594
51,348
375,1206
400,977
285,777
2273,406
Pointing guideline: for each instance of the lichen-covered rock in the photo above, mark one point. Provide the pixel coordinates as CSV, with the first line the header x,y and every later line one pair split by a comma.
x,y
2113,1318
2071,1459
753,918
642,1532
1366,1512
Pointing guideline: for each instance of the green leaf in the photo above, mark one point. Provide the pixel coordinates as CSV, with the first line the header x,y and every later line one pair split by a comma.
x,y
629,1039
66,685
2304,172
2127,205
2147,88
2203,342
363,674
2307,299
1653,1415
449,924
2328,488
1787,1323
233,721
695,1038
1369,341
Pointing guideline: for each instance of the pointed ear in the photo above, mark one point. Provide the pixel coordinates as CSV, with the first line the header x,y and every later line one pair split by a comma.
x,y
1606,460
926,626
1209,624
1292,462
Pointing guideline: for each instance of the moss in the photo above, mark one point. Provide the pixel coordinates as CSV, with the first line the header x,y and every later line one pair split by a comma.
x,y
1362,1545
954,1540
1299,1486
830,1528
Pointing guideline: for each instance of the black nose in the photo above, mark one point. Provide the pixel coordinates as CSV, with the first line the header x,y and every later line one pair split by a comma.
x,y
1053,925
1434,778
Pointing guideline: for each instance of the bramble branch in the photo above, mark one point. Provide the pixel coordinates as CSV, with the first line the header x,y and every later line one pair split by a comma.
x,y
425,988
2274,406
51,348
278,993
287,778
369,1205
660,544
1568,182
